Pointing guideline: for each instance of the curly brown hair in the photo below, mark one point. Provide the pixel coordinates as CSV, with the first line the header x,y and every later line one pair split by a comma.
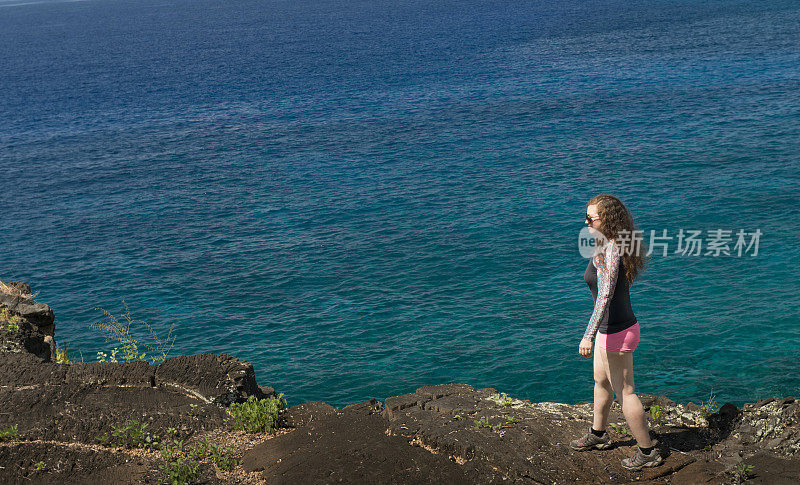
x,y
616,222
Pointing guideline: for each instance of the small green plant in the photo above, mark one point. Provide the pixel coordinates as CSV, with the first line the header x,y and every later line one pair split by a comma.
x,y
482,423
502,399
225,458
709,407
179,468
377,409
181,464
39,466
458,417
619,428
131,435
512,420
9,322
104,357
199,451
742,472
130,347
258,416
61,355
9,434
656,413
172,448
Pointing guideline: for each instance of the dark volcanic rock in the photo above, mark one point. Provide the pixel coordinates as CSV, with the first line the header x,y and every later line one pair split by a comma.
x,y
38,314
20,287
23,369
63,463
135,373
769,469
350,446
52,401
77,412
27,338
305,413
74,464
217,379
504,440
25,326
496,439
773,424
61,411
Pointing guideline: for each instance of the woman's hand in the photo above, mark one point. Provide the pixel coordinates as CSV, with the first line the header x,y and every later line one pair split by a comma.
x,y
585,348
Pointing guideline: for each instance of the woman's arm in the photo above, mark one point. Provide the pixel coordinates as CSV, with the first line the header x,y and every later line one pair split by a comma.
x,y
606,282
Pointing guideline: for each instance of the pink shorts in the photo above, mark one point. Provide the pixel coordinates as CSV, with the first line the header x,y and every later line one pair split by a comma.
x,y
622,341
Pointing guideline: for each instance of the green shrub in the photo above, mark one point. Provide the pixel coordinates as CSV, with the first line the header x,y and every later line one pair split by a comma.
x,y
656,413
619,428
179,468
61,355
225,458
258,416
482,423
104,357
742,472
200,451
129,347
131,435
9,434
502,399
181,465
709,407
8,321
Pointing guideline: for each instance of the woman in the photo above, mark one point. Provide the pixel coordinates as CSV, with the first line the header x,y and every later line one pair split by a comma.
x,y
609,275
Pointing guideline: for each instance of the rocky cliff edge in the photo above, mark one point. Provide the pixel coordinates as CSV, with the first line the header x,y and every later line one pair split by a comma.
x,y
450,433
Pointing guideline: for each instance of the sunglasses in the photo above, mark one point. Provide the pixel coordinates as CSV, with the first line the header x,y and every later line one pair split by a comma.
x,y
590,220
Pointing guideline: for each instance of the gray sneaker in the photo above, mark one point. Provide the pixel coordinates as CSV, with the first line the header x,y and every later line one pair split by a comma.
x,y
589,441
639,460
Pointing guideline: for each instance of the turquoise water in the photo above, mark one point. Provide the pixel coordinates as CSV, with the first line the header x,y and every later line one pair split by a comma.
x,y
362,198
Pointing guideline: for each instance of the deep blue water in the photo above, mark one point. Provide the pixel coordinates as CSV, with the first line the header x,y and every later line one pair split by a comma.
x,y
366,197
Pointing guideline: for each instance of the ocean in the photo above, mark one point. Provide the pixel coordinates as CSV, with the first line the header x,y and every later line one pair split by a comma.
x,y
365,197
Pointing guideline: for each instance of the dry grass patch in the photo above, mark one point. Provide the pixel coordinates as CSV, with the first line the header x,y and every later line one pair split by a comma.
x,y
14,291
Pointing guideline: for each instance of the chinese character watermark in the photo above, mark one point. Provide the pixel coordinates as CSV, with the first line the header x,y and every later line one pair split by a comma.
x,y
689,242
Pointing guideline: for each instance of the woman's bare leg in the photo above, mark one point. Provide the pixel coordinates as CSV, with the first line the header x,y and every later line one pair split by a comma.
x,y
620,366
603,392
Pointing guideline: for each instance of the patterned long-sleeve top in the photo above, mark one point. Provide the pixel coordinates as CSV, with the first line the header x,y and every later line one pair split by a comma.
x,y
606,282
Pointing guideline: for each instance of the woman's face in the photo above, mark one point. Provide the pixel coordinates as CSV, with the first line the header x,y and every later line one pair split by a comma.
x,y
592,217
593,221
